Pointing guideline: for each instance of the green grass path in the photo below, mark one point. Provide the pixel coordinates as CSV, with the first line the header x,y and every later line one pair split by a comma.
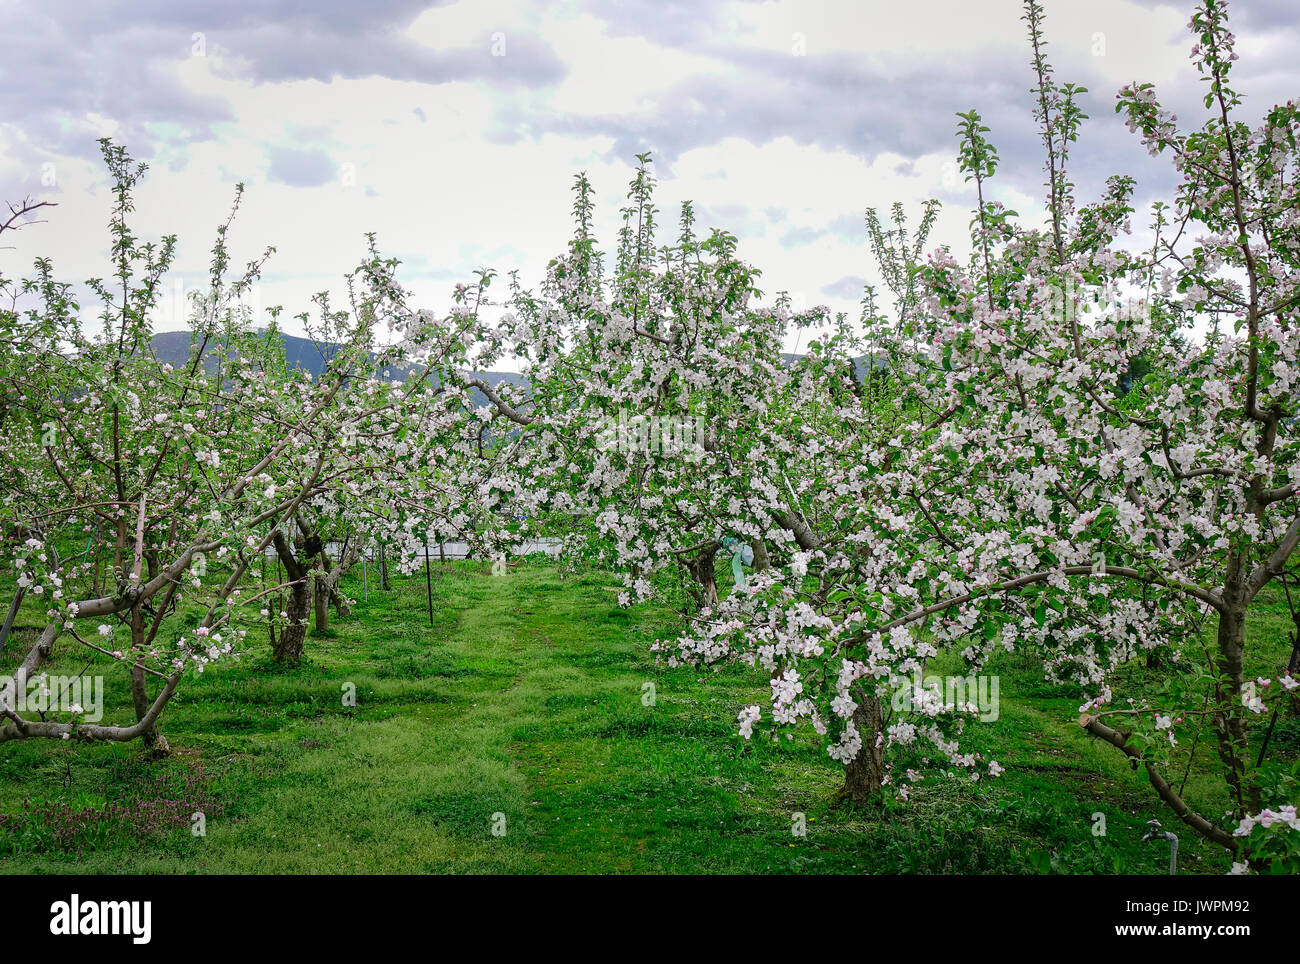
x,y
524,710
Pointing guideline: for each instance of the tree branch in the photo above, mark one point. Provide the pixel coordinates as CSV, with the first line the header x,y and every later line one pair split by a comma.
x,y
1166,792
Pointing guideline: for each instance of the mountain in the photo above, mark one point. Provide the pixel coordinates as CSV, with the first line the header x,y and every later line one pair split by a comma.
x,y
173,347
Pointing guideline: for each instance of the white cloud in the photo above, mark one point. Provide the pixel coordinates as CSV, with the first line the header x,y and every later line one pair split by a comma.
x,y
462,159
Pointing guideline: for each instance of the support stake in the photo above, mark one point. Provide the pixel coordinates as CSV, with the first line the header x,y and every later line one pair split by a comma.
x,y
428,579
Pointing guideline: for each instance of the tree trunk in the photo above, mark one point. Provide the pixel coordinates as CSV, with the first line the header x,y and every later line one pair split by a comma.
x,y
327,586
13,613
321,601
340,601
288,647
155,744
1229,713
701,569
761,559
865,774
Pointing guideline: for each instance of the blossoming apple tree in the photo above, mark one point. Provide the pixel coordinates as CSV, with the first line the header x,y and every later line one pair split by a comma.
x,y
139,497
1036,494
640,433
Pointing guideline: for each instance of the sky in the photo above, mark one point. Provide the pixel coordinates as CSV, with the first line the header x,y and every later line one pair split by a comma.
x,y
453,130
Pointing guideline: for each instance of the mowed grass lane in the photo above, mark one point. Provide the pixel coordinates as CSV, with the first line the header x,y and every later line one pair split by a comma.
x,y
530,730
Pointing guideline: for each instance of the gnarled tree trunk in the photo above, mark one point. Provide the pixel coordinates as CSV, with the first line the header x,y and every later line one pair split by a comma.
x,y
155,744
701,569
865,774
321,604
1230,714
288,646
326,586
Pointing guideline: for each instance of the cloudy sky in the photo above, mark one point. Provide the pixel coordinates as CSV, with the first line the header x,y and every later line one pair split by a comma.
x,y
453,129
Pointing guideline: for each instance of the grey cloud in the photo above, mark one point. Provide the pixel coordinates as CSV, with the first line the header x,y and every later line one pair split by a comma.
x,y
53,77
846,227
797,237
301,167
1247,14
831,101
113,58
419,266
676,23
342,15
850,286
279,52
736,219
842,101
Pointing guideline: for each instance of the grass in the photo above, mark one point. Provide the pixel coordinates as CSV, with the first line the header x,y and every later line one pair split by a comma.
x,y
524,709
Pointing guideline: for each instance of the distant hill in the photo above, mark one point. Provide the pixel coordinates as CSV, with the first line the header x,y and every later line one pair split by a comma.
x,y
860,365
173,347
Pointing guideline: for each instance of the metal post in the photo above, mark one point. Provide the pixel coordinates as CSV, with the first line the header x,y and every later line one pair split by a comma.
x,y
1290,669
273,600
428,579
